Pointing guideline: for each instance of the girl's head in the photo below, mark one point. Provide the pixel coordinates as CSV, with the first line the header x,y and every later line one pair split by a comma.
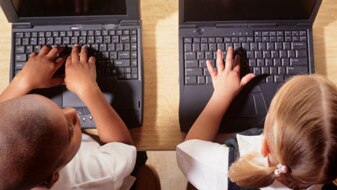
x,y
300,133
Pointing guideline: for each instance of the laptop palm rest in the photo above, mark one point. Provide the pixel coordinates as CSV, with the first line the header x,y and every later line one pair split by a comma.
x,y
72,100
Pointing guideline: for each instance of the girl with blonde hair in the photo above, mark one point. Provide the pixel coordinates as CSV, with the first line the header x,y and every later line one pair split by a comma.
x,y
298,148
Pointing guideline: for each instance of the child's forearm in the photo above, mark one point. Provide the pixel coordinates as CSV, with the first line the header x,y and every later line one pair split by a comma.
x,y
110,126
207,124
14,89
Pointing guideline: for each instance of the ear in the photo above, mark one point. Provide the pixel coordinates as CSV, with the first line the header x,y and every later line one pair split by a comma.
x,y
51,180
265,148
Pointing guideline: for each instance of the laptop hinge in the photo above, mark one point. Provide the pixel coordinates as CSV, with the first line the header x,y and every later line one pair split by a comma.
x,y
303,24
245,25
188,26
22,25
129,23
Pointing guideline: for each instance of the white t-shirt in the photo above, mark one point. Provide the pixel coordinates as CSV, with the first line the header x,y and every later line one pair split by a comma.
x,y
205,164
99,167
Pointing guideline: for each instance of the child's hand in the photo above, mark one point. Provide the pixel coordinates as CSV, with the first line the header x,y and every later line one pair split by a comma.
x,y
226,79
39,70
80,71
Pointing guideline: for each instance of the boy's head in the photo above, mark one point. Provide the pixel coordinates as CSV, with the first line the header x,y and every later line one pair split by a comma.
x,y
37,139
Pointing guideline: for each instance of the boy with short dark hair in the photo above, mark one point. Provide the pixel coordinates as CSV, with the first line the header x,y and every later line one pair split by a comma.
x,y
41,144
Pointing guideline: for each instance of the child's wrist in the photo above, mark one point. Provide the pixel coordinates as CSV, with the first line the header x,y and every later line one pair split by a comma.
x,y
222,97
21,85
88,91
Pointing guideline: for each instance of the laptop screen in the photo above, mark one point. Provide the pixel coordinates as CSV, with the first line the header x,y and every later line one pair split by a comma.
x,y
232,10
52,8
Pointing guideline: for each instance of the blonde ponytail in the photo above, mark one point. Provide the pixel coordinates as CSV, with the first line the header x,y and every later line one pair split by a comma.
x,y
248,171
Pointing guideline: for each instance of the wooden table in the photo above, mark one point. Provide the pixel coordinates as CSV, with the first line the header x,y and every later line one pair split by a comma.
x,y
160,130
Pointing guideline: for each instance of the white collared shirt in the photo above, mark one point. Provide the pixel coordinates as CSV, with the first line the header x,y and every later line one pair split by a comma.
x,y
99,167
205,163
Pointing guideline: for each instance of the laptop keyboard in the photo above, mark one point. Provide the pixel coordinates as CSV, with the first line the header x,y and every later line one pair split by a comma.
x,y
115,50
276,55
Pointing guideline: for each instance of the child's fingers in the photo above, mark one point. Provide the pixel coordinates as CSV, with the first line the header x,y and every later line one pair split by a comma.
x,y
237,64
92,60
32,54
211,69
44,50
219,61
229,59
84,54
53,53
246,79
59,62
74,54
68,61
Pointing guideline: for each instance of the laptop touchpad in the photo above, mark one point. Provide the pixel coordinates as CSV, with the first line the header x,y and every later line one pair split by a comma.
x,y
72,100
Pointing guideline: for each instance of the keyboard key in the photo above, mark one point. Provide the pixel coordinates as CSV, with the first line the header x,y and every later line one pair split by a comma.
x,y
19,35
20,57
219,40
278,78
29,49
277,62
253,46
204,47
187,40
201,80
18,41
256,70
193,71
196,40
19,49
298,62
191,63
291,53
252,62
122,63
19,65
301,53
296,70
190,80
212,47
278,46
269,79
211,40
269,62
281,70
208,80
298,45
208,55
258,54
133,54
123,55
125,39
265,70
273,70
134,63
200,55
195,47
259,62
190,55
285,62
188,47
283,54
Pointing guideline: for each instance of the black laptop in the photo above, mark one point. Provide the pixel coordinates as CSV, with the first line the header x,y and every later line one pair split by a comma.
x,y
112,31
272,37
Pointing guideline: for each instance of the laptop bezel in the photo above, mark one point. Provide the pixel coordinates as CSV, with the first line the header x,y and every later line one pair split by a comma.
x,y
281,22
132,13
